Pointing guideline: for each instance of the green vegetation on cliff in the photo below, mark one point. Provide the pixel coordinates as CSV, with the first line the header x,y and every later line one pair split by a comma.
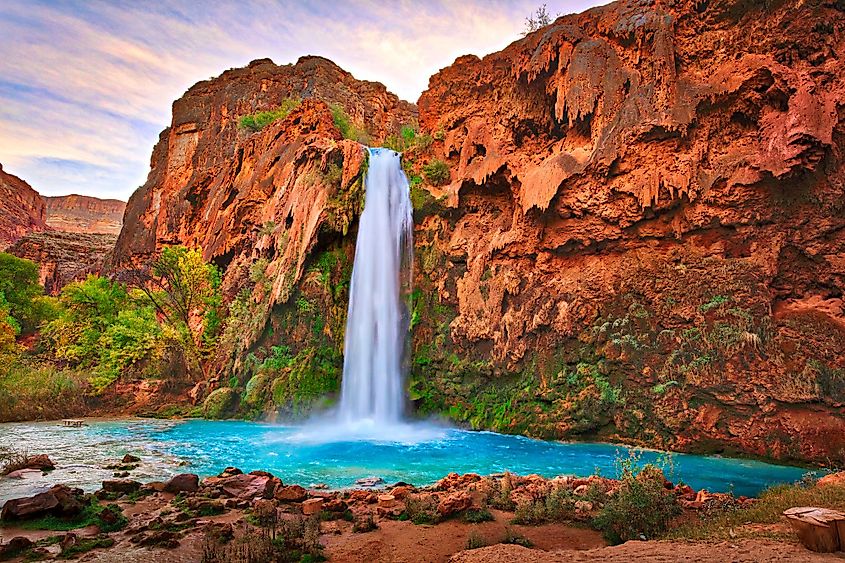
x,y
259,120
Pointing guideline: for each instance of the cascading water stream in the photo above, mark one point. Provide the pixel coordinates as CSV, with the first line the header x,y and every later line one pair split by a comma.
x,y
377,321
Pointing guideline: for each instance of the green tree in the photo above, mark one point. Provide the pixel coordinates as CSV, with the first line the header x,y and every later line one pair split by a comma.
x,y
185,290
20,292
102,327
88,309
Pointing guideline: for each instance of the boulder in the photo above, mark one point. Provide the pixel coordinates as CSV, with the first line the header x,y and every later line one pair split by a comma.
x,y
402,491
15,546
24,473
129,458
60,500
454,503
818,529
387,501
40,461
312,506
121,485
229,471
334,505
832,479
183,483
245,486
291,493
369,482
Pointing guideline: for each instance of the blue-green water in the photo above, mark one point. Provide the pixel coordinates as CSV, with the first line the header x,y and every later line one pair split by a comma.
x,y
418,454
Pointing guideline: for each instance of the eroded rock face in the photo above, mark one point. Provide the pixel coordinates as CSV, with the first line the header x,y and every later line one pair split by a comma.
x,y
22,209
245,196
83,214
646,221
63,257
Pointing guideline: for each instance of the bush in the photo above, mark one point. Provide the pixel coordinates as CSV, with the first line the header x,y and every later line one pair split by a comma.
x,y
557,506
41,392
476,516
436,172
421,510
642,507
260,120
19,293
348,129
476,540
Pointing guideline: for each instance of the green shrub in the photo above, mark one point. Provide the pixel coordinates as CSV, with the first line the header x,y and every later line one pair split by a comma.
x,y
436,172
476,540
421,510
477,515
348,128
642,507
260,120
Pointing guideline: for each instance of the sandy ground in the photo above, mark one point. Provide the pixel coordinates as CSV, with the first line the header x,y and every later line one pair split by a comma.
x,y
746,551
405,542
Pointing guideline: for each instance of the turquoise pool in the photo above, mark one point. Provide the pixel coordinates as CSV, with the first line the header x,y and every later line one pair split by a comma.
x,y
418,454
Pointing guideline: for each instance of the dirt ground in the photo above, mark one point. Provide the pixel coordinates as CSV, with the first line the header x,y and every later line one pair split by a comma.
x,y
746,551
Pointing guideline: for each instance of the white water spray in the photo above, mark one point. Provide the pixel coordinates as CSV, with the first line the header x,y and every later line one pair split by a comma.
x,y
377,321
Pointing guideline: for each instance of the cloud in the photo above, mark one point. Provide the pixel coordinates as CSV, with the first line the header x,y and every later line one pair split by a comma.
x,y
87,85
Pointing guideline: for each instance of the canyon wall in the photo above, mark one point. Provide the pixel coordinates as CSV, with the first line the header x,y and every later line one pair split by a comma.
x,y
67,236
22,209
642,237
83,214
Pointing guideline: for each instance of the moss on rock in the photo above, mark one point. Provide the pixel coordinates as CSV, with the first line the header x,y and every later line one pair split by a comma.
x,y
220,403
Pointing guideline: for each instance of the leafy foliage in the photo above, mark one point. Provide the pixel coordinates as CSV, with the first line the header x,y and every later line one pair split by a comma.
x,y
436,172
22,305
641,507
100,326
347,127
260,120
408,139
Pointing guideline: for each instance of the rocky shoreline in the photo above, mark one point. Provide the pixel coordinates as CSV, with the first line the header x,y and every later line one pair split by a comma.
x,y
256,516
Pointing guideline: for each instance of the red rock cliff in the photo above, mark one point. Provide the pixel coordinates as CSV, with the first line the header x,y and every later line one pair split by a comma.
x,y
21,209
646,221
83,214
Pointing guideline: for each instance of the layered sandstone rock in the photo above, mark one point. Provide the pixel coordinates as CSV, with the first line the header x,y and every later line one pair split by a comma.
x,y
63,257
646,221
22,209
84,214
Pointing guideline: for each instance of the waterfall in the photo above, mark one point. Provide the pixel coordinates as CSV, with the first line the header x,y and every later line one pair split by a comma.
x,y
377,321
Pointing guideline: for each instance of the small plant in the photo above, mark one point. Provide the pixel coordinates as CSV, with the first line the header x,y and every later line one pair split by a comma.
x,y
714,302
436,172
476,540
500,493
477,515
365,523
348,128
421,510
538,19
516,538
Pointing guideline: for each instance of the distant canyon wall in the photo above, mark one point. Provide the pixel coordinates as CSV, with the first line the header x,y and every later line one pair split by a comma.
x,y
67,236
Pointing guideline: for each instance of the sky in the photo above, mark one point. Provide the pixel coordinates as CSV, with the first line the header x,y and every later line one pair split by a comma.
x,y
86,86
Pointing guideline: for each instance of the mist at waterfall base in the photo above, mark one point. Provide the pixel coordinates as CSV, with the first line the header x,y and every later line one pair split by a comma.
x,y
372,399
